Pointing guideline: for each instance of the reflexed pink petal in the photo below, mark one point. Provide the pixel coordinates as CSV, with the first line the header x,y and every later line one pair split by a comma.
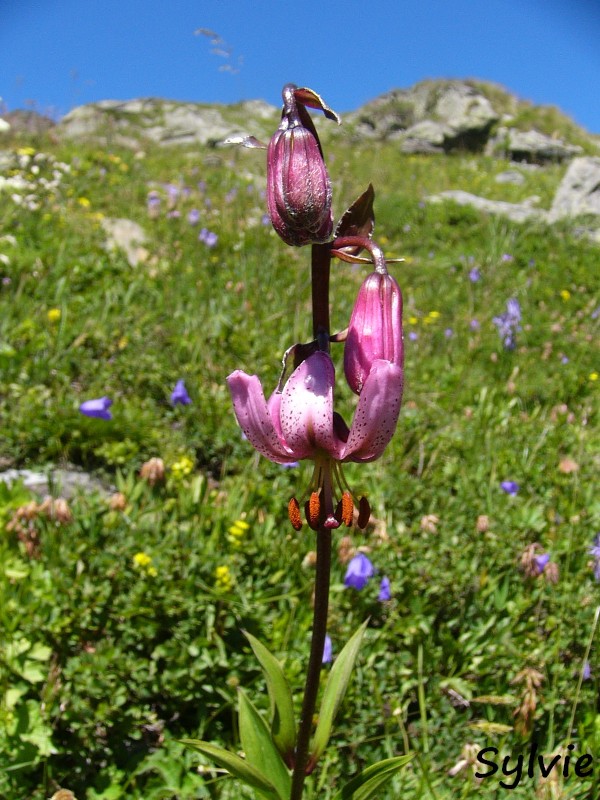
x,y
254,418
307,409
377,413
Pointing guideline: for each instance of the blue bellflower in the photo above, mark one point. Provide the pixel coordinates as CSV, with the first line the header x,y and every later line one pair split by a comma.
x,y
359,570
385,590
327,651
180,395
98,408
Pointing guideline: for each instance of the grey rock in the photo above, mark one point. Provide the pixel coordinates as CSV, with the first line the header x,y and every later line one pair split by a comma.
x,y
579,190
517,212
27,121
432,116
166,122
536,147
58,482
510,176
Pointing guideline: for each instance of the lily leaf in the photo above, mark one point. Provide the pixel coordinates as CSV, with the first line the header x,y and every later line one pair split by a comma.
x,y
358,220
235,765
368,784
335,689
260,749
283,727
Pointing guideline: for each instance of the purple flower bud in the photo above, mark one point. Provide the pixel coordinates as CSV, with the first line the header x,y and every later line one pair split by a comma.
x,y
385,590
180,395
327,651
375,330
298,188
98,408
193,216
298,185
510,487
359,570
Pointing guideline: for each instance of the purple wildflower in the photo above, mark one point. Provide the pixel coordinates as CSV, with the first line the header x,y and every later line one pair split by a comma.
x,y
540,562
359,570
474,325
208,237
510,487
506,257
508,324
385,590
586,672
413,336
594,551
193,216
474,275
97,408
448,333
180,395
327,651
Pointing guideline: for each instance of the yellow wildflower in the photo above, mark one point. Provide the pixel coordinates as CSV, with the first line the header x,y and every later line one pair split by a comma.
x,y
54,314
565,294
223,579
84,202
182,468
26,151
237,532
593,376
413,320
142,559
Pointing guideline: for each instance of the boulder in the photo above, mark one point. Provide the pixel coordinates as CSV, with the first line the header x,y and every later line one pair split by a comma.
x,y
579,190
432,116
517,212
532,146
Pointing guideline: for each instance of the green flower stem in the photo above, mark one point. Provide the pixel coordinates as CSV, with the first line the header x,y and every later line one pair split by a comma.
x,y
320,269
323,570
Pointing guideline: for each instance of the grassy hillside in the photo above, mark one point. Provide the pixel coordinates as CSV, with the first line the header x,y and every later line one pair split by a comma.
x,y
121,621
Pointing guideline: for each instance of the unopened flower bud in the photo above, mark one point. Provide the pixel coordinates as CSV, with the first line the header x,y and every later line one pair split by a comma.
x,y
153,471
298,185
375,330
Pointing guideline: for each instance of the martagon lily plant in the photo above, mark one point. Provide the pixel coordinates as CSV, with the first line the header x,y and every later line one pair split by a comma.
x,y
298,422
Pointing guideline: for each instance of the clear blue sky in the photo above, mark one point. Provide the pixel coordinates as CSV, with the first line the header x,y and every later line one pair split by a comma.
x,y
57,54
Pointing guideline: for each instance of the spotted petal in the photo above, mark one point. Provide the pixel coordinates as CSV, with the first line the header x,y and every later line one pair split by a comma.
x,y
254,417
377,413
307,409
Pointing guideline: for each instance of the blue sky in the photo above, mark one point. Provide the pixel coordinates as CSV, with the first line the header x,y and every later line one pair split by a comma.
x,y
57,54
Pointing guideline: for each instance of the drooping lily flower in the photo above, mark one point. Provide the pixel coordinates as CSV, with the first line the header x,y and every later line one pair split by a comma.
x,y
300,423
298,185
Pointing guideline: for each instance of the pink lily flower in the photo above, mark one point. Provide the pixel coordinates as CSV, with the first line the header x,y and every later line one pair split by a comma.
x,y
300,423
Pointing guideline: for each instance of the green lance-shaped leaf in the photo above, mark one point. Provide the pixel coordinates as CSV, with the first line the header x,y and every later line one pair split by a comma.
x,y
283,726
369,783
335,689
260,750
236,766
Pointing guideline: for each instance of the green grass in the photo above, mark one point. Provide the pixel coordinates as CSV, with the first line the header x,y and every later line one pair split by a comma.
x,y
103,666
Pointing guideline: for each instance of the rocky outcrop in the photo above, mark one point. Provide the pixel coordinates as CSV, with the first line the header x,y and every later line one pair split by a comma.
x,y
579,191
577,195
166,122
433,116
531,146
517,212
31,122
